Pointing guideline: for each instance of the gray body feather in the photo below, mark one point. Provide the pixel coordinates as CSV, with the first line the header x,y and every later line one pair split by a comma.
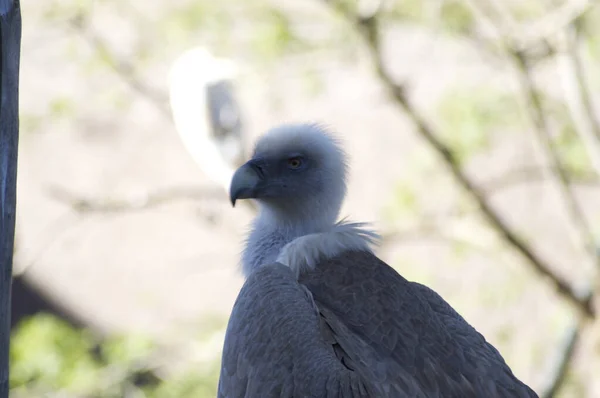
x,y
358,330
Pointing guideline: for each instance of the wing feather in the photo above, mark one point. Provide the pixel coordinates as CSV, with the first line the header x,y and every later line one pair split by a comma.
x,y
353,327
403,335
275,346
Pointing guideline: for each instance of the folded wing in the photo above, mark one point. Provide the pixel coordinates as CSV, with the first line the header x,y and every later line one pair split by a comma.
x,y
353,327
410,341
277,345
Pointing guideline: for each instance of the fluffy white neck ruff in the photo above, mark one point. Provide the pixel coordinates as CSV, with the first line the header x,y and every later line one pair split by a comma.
x,y
304,253
301,246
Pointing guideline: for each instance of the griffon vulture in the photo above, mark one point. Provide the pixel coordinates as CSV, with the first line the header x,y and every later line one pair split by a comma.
x,y
319,315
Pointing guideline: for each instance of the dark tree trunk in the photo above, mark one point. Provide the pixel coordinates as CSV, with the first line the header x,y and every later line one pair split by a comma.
x,y
10,49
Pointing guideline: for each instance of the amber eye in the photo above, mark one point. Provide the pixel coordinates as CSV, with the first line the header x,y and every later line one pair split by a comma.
x,y
294,163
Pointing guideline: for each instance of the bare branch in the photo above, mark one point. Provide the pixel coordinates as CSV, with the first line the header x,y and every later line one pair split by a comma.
x,y
429,233
581,231
532,174
502,25
368,26
122,67
555,171
579,99
553,22
49,236
140,202
564,356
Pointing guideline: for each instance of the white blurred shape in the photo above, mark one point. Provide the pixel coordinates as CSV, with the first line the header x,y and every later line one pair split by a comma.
x,y
206,113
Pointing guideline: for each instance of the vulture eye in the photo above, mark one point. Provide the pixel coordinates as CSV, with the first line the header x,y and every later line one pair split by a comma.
x,y
295,162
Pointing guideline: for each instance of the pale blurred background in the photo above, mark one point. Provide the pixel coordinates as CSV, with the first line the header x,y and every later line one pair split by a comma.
x,y
127,248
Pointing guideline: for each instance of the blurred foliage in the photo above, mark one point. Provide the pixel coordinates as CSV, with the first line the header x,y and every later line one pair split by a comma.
x,y
468,117
590,30
405,201
569,146
574,386
275,36
61,107
406,10
101,59
572,151
64,10
451,16
456,17
192,15
196,383
48,355
209,17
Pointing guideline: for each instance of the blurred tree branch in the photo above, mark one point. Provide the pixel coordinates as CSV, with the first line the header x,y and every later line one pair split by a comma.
x,y
126,70
534,34
430,232
581,232
555,171
167,195
564,355
554,21
139,202
122,67
533,174
578,98
557,175
367,24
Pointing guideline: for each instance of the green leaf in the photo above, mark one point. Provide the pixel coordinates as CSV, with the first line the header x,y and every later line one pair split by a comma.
x,y
127,349
456,17
61,107
48,355
468,118
48,352
313,82
569,147
407,10
572,151
460,249
405,201
197,383
275,36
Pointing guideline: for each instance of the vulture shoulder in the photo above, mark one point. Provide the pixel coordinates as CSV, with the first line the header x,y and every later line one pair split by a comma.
x,y
276,345
403,335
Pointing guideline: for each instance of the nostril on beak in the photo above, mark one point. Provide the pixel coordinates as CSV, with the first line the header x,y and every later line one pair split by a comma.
x,y
259,169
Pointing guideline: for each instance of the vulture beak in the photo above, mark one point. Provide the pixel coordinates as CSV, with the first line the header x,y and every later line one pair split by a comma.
x,y
245,182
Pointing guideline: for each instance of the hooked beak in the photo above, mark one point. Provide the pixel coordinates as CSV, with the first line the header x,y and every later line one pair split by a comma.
x,y
245,182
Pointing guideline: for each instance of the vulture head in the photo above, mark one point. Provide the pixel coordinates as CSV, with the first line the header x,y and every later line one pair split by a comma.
x,y
297,173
